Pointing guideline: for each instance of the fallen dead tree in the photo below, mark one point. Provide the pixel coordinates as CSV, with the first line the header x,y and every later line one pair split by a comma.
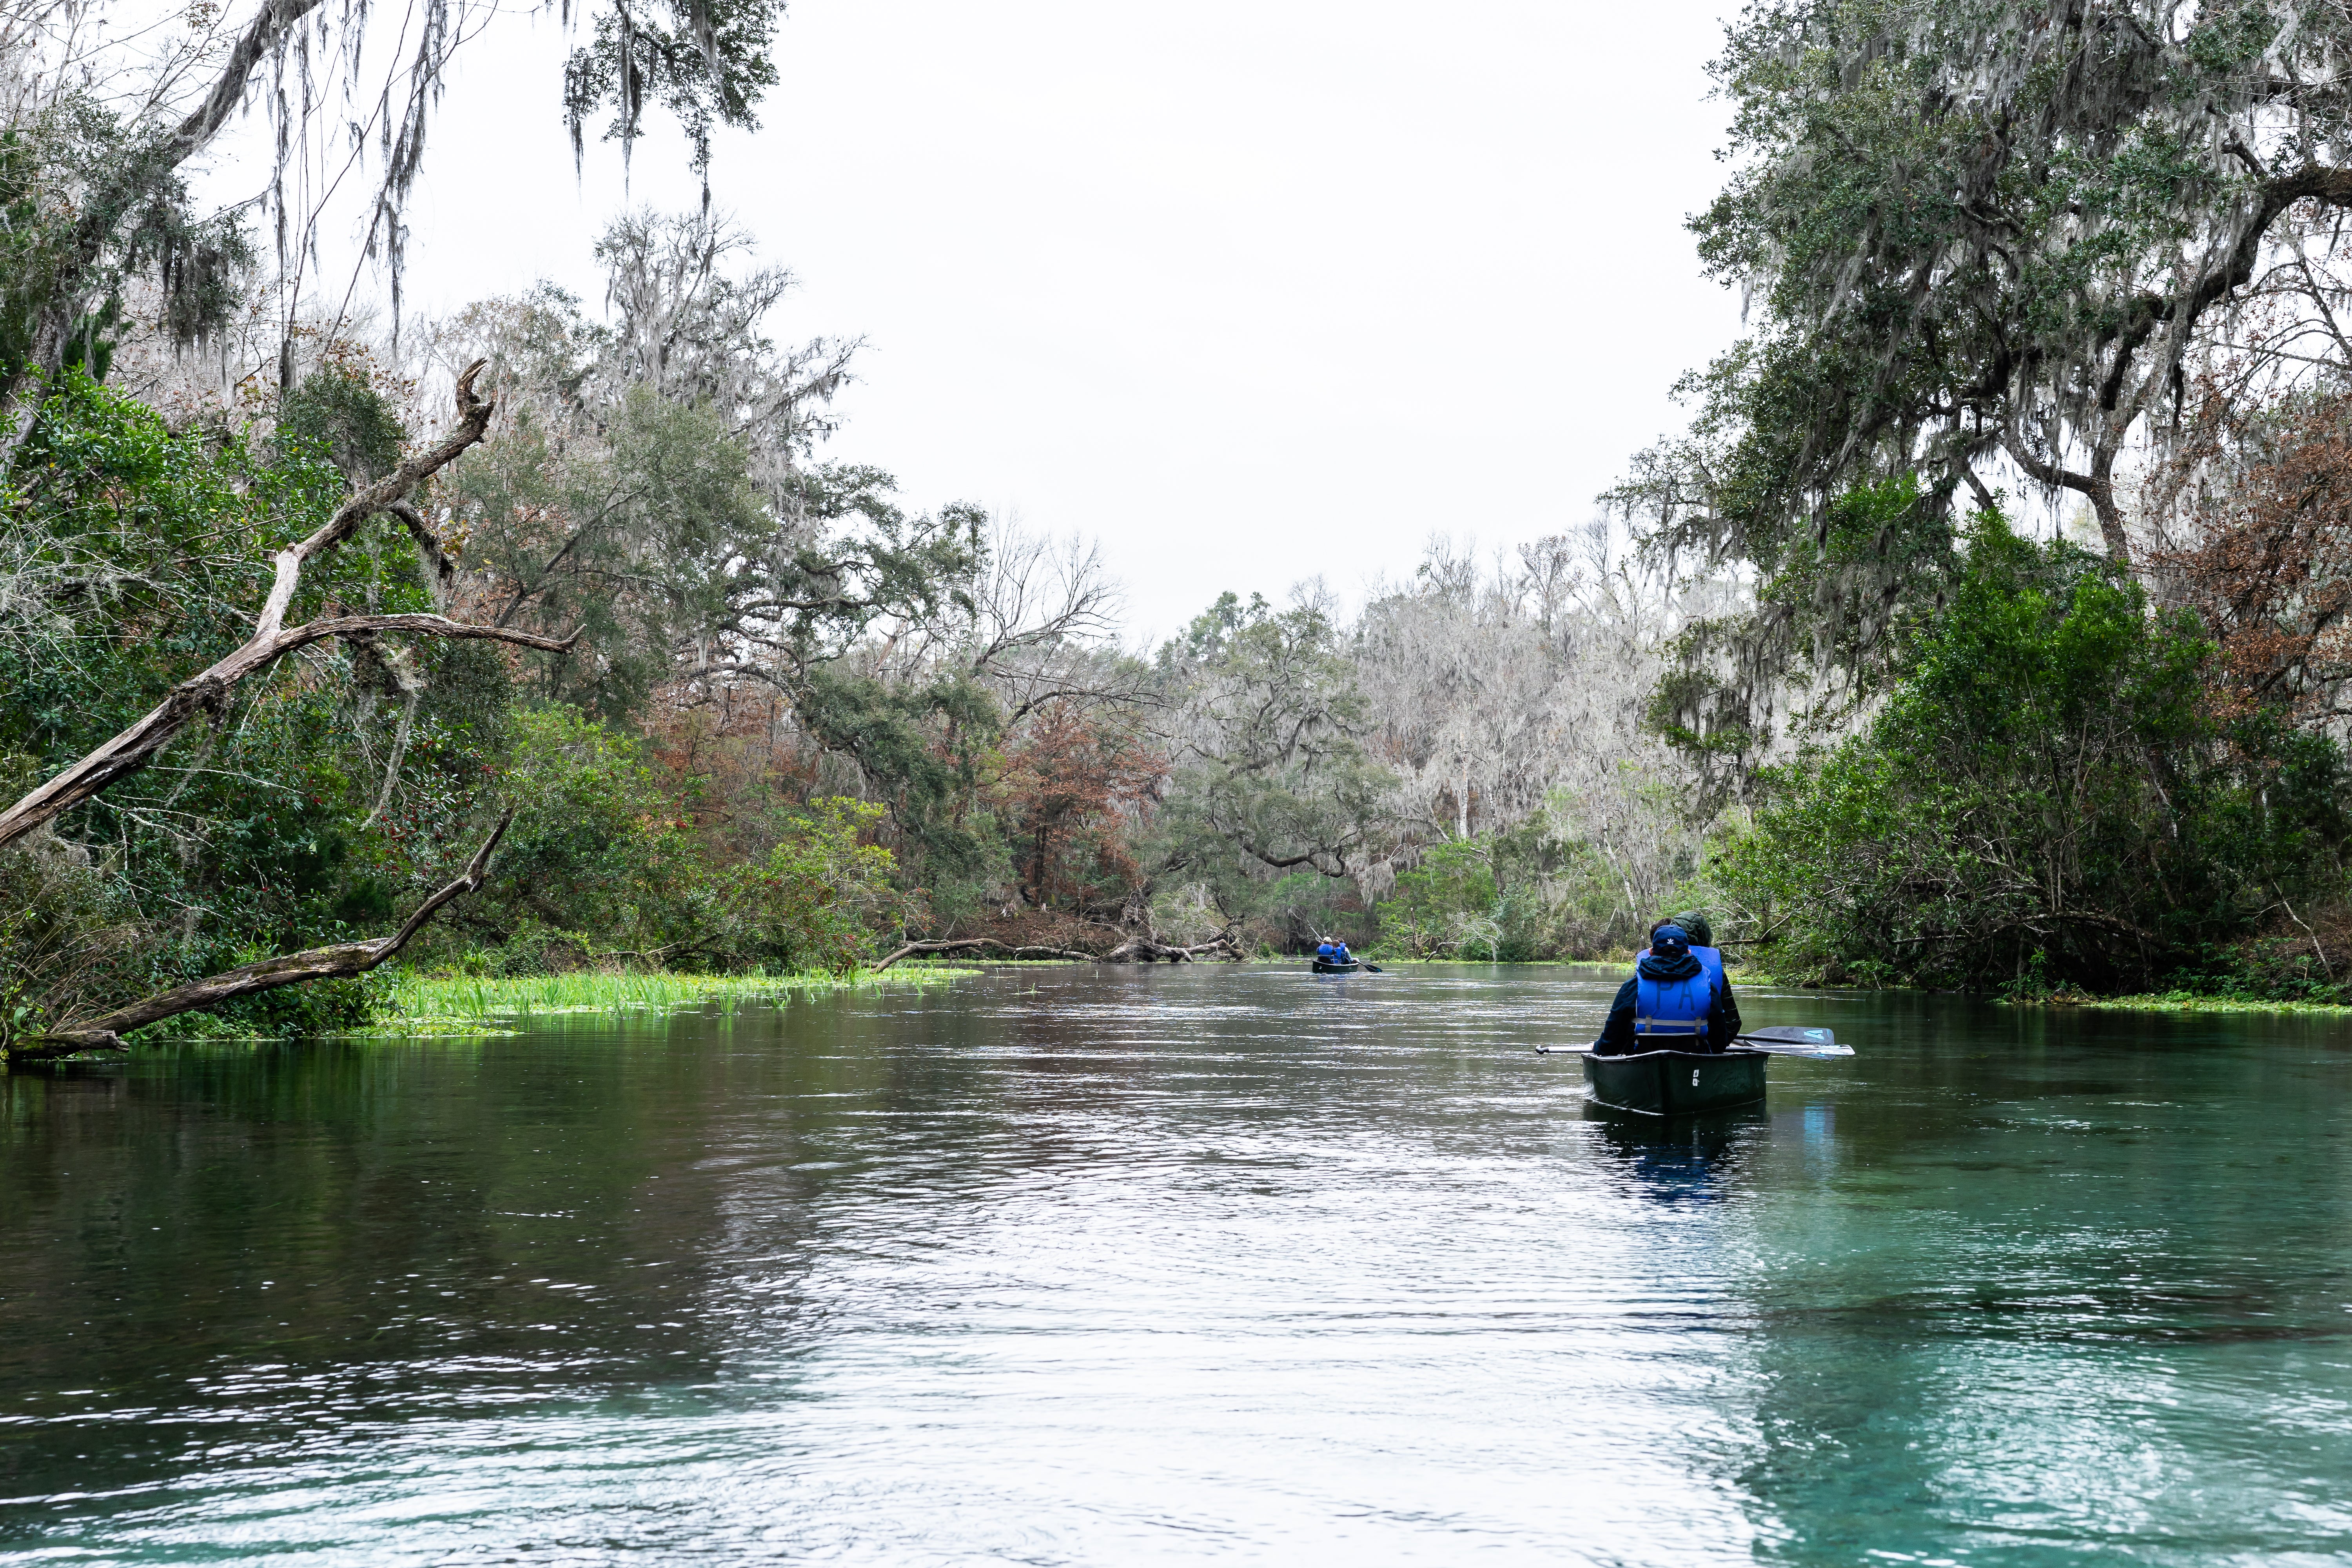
x,y
1134,950
207,692
344,960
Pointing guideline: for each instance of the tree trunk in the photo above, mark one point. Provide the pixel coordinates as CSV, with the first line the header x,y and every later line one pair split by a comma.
x,y
1135,950
2098,487
341,960
208,691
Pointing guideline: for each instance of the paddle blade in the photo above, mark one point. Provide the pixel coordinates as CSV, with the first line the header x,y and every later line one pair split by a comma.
x,y
1793,1035
1793,1041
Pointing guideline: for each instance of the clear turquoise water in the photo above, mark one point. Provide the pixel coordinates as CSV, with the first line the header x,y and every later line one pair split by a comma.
x,y
1071,1266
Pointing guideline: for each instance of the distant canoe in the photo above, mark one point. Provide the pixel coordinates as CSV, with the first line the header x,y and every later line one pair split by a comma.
x,y
1324,967
1675,1083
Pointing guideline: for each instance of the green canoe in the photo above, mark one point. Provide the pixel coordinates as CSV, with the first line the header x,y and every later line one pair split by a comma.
x,y
1675,1083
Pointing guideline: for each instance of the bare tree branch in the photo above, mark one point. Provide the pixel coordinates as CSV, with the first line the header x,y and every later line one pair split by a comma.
x,y
275,20
969,944
208,691
473,423
131,750
341,960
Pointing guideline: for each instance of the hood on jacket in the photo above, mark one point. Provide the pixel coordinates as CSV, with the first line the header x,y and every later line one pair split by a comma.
x,y
1680,965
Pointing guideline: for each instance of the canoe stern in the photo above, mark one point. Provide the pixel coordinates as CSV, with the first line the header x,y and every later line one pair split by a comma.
x,y
1675,1083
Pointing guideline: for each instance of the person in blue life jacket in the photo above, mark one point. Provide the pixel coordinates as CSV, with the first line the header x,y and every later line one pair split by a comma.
x,y
1702,940
1672,1003
1339,953
1323,951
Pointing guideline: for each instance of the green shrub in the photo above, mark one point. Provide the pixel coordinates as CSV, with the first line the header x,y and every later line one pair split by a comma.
x,y
820,898
2048,798
1446,906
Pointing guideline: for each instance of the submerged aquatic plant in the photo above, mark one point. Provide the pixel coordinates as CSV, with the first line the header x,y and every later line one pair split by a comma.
x,y
413,1003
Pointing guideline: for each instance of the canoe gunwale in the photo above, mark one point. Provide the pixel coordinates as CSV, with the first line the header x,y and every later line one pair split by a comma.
x,y
1694,1055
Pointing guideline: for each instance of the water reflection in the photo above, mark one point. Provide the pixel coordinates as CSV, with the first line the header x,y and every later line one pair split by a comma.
x,y
1079,1267
1681,1159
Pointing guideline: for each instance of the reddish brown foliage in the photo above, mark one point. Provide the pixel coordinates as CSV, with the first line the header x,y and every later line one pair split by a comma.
x,y
2258,508
733,762
1071,780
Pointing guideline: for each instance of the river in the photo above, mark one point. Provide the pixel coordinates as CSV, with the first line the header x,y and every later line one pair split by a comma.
x,y
1066,1265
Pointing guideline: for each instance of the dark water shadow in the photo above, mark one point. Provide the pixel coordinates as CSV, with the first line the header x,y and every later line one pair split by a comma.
x,y
1679,1159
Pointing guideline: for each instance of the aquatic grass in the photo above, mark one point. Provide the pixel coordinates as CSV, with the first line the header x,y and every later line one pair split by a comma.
x,y
2191,1001
410,1004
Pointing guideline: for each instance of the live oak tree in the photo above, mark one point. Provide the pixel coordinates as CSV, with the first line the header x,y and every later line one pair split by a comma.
x,y
1979,240
96,144
660,486
1265,732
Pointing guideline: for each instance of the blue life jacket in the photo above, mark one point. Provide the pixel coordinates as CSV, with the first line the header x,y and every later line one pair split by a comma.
x,y
1709,959
1340,955
1671,1013
1323,951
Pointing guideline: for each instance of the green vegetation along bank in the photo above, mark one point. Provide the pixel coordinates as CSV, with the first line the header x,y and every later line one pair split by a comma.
x,y
1986,628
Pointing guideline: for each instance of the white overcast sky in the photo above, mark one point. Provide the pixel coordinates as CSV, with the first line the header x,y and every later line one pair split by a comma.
x,y
1250,292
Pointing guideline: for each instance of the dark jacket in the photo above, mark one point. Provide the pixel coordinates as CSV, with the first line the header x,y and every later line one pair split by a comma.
x,y
1617,1037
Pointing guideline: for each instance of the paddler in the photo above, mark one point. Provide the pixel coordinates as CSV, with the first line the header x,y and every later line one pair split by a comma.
x,y
1673,1002
1702,943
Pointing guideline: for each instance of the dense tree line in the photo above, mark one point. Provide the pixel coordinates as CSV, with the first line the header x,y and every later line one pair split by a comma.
x,y
2008,261
742,705
558,625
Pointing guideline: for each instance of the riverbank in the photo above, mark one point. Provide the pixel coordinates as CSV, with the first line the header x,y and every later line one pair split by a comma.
x,y
1749,979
